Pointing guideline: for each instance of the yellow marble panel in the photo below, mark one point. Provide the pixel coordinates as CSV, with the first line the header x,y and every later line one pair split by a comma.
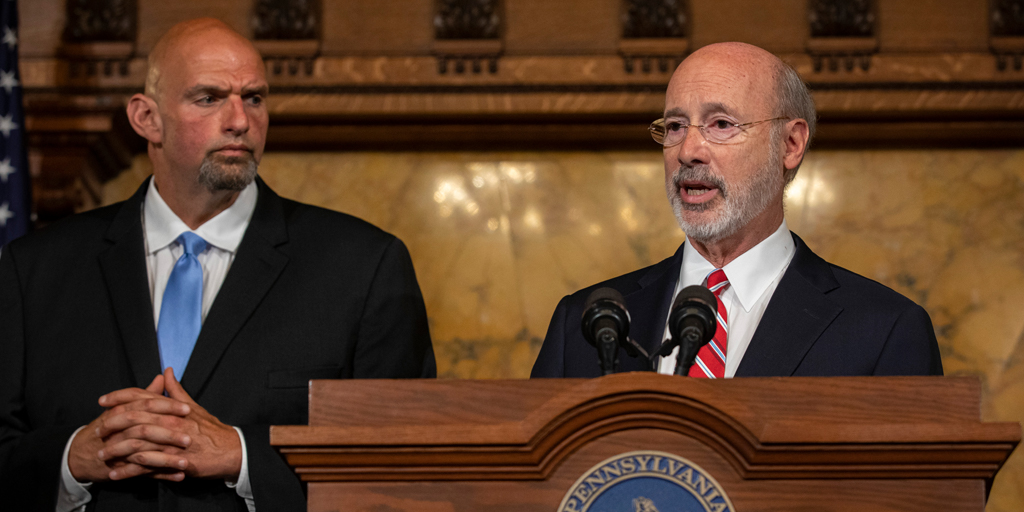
x,y
498,238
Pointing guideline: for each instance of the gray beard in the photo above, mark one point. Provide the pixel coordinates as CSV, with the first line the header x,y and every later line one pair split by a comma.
x,y
232,174
741,205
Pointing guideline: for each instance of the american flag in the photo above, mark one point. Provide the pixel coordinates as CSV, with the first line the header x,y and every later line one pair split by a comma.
x,y
15,184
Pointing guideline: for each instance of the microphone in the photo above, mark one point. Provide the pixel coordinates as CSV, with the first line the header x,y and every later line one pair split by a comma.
x,y
605,325
692,323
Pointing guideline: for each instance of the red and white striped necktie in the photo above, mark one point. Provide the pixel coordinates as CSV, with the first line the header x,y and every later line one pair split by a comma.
x,y
710,363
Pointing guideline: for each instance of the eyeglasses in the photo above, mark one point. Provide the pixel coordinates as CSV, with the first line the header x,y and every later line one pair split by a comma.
x,y
672,131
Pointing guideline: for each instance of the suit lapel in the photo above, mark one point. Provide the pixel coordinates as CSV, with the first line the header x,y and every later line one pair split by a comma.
x,y
253,272
648,308
124,270
797,314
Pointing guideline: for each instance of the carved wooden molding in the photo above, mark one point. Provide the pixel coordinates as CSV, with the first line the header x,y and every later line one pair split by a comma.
x,y
286,33
467,55
1007,18
841,52
931,432
1009,52
100,20
653,35
651,19
99,37
467,36
467,19
841,18
660,55
289,56
842,34
286,20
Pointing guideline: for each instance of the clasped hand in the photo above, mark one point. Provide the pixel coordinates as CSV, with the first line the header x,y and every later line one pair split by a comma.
x,y
143,432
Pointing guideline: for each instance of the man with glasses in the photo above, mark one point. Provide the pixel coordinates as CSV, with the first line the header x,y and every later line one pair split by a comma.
x,y
737,124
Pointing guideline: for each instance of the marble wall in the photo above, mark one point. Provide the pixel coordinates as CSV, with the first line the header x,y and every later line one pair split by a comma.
x,y
498,238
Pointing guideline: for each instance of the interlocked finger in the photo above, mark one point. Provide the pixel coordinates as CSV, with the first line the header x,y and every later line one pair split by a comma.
x,y
143,425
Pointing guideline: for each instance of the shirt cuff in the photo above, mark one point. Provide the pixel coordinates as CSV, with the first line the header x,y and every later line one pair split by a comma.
x,y
72,495
241,486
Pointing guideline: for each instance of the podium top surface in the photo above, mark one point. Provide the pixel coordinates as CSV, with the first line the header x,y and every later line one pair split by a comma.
x,y
516,410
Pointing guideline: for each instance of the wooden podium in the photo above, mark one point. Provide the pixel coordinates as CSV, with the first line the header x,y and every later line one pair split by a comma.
x,y
773,444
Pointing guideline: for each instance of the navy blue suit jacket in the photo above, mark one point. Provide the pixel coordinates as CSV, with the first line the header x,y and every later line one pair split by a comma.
x,y
822,320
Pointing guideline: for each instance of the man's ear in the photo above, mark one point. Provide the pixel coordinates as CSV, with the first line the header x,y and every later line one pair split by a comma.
x,y
145,118
795,139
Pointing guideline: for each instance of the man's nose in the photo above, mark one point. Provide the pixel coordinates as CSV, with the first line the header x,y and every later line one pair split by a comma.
x,y
236,119
694,147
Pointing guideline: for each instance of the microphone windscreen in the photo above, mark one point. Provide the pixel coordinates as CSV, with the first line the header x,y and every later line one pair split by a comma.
x,y
604,305
693,304
604,294
696,293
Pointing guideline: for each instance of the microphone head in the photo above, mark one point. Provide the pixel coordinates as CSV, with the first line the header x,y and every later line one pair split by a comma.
x,y
605,304
694,305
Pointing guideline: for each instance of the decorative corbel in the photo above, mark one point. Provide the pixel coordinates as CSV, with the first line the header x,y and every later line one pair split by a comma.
x,y
1007,34
99,37
467,36
286,33
842,34
653,35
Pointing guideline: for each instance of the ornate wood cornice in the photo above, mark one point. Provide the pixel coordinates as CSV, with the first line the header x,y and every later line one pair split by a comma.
x,y
465,85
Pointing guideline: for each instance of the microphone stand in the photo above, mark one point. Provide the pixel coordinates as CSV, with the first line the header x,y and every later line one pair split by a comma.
x,y
689,343
608,350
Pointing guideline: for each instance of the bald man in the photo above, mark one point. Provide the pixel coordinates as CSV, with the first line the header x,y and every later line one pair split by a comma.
x,y
146,347
736,126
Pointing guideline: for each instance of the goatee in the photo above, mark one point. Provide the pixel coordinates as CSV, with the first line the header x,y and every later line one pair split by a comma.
x,y
234,173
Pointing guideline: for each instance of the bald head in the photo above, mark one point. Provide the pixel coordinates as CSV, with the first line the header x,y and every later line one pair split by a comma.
x,y
173,51
779,86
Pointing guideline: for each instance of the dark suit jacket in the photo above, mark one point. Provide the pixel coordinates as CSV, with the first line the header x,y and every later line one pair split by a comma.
x,y
311,294
822,320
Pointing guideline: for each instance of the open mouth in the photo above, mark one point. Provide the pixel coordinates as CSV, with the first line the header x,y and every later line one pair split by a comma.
x,y
697,191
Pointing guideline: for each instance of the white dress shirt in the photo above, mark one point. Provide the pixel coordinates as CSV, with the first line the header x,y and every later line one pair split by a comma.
x,y
161,227
753,277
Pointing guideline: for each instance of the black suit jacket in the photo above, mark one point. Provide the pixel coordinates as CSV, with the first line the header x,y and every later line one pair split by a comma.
x,y
311,294
822,320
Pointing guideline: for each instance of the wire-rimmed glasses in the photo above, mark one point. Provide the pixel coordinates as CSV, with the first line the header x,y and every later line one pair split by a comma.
x,y
671,131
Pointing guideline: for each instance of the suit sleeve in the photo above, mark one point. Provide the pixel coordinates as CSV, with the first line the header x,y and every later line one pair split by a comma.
x,y
274,485
551,359
394,339
911,348
30,458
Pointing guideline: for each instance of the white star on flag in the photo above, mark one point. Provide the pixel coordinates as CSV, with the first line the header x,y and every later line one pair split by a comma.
x,y
6,169
5,214
7,124
10,37
8,81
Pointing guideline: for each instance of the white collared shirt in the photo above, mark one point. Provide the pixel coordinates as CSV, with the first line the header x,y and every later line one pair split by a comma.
x,y
161,227
753,277
222,233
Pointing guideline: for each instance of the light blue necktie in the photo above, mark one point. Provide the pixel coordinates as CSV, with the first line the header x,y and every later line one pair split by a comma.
x,y
181,313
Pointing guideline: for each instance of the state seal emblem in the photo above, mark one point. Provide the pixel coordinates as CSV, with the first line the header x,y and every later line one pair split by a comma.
x,y
646,481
